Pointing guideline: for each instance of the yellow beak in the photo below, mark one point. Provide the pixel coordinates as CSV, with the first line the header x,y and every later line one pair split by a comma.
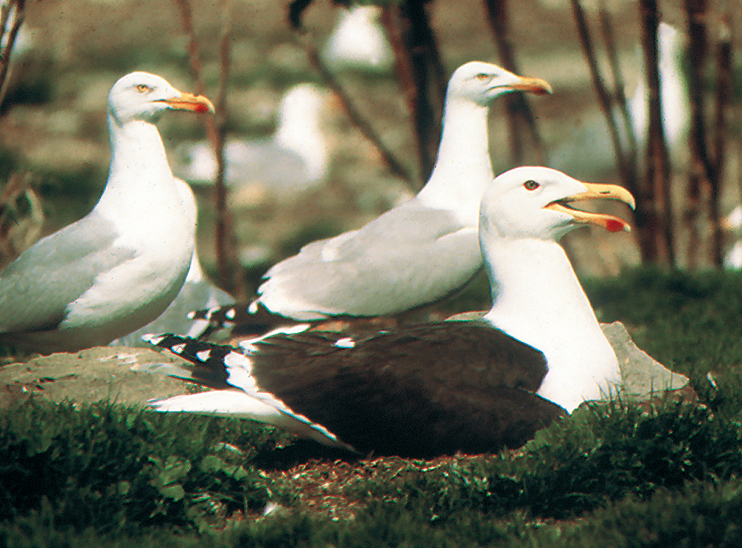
x,y
596,192
189,101
536,86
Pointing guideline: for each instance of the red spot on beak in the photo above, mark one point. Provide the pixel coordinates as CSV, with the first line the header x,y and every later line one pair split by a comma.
x,y
612,225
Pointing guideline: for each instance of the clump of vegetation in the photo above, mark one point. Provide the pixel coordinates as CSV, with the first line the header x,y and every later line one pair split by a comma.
x,y
112,468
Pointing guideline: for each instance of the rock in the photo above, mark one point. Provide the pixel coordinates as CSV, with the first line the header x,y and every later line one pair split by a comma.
x,y
643,377
100,373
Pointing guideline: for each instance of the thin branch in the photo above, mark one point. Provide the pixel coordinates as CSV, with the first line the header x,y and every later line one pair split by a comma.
x,y
420,45
702,170
391,20
228,272
519,113
18,9
658,163
609,40
194,59
723,101
604,98
228,265
353,113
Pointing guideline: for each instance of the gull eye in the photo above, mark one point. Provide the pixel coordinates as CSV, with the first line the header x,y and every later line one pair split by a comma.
x,y
531,185
143,88
482,77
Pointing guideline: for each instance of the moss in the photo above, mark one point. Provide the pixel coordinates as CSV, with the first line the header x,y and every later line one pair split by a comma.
x,y
112,468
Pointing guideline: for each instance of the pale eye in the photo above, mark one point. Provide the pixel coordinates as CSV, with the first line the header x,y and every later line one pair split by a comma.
x,y
482,77
142,88
531,185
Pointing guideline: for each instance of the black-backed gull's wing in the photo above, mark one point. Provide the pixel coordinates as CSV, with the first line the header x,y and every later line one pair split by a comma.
x,y
419,391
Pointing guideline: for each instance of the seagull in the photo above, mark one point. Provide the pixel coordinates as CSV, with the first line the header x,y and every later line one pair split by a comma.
x,y
358,41
295,158
120,266
420,251
589,151
197,292
437,388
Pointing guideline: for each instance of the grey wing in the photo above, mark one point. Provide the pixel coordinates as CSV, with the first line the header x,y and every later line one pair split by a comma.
x,y
408,257
37,287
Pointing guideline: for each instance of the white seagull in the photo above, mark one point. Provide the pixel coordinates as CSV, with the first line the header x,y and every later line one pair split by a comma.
x,y
430,389
416,253
295,158
589,152
120,266
358,41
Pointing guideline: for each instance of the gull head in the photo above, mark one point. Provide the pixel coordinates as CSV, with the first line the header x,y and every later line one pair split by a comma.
x,y
144,97
536,202
482,82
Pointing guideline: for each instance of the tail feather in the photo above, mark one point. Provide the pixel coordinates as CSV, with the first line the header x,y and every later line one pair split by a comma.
x,y
252,318
228,371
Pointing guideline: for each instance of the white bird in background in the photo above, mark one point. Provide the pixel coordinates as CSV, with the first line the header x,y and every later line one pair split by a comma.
x,y
120,266
438,388
358,42
295,158
673,95
731,224
588,150
197,292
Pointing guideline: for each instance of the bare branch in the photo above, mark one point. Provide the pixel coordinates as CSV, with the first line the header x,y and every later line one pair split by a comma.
x,y
723,101
353,113
519,114
657,183
228,272
17,9
609,41
604,97
419,45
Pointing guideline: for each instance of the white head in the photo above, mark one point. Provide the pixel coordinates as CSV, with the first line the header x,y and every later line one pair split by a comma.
x,y
143,96
533,202
481,82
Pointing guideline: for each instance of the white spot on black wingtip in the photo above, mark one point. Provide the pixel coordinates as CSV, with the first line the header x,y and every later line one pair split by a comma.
x,y
192,314
203,355
253,308
248,344
153,339
345,342
235,359
712,380
231,314
178,348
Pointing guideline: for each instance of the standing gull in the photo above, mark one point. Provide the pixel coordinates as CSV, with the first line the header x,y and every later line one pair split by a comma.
x,y
588,150
470,386
420,251
295,158
358,42
120,266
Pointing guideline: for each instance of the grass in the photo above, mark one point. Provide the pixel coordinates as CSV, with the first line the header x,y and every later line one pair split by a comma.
x,y
608,475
